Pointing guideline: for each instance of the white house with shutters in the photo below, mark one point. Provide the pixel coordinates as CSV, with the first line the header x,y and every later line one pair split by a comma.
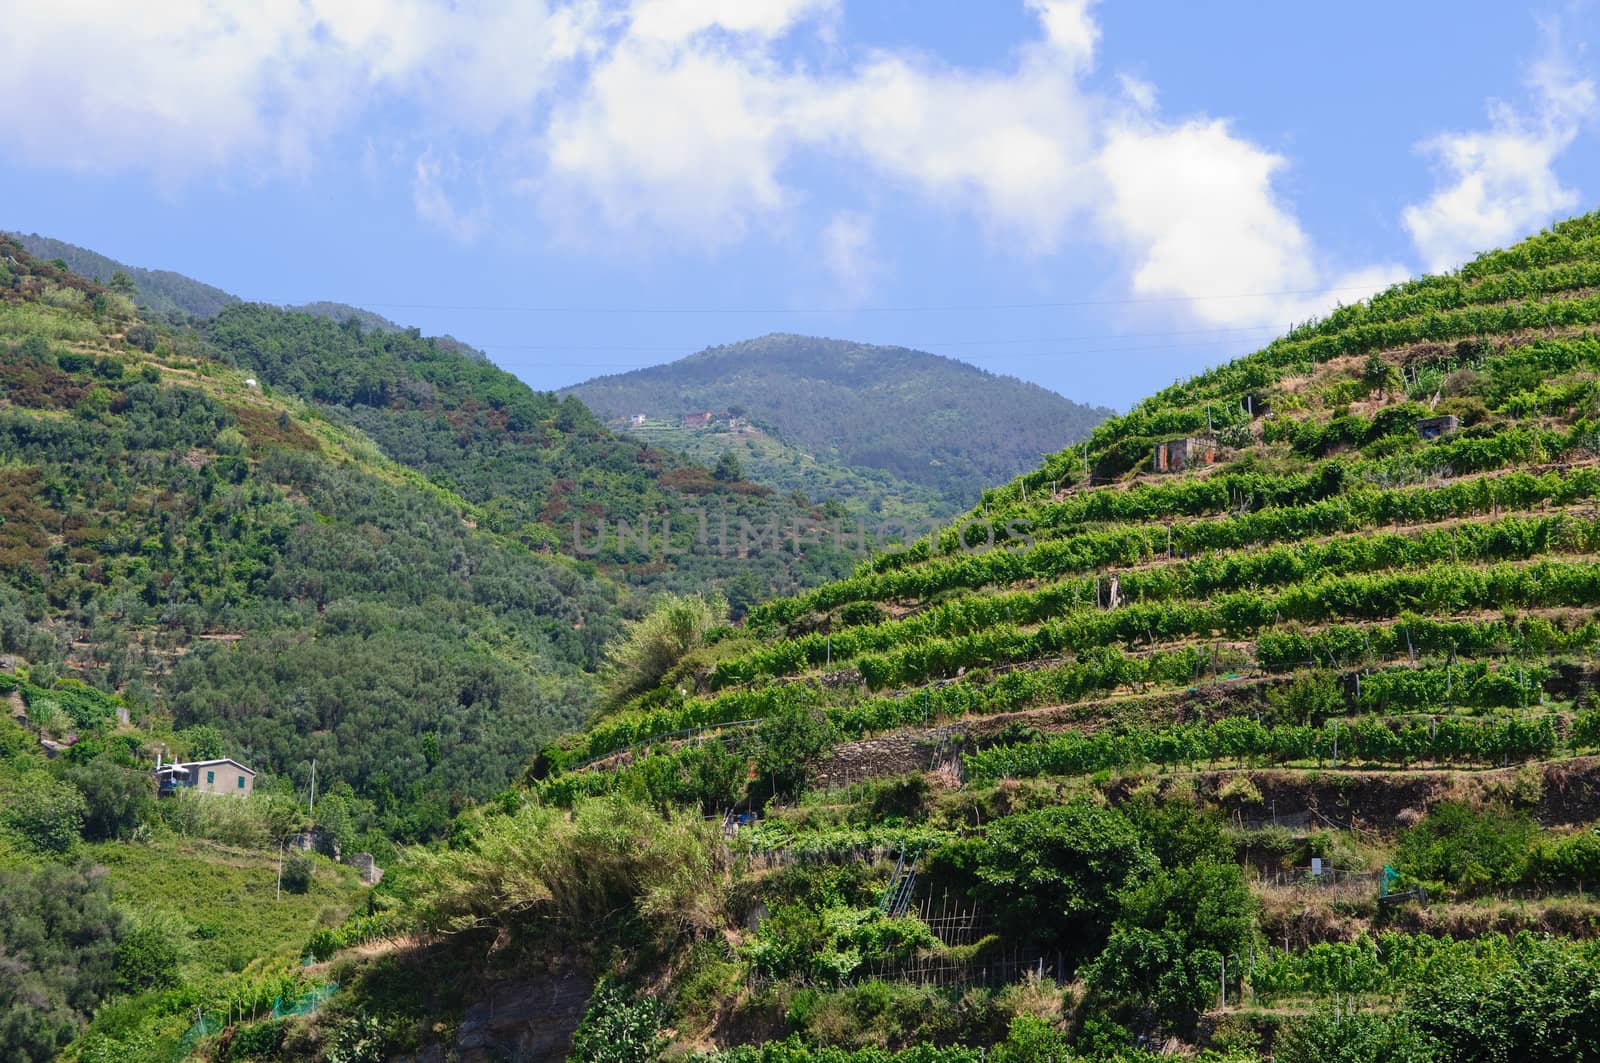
x,y
223,776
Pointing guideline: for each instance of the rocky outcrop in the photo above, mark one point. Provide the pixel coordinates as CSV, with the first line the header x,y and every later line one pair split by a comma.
x,y
527,1020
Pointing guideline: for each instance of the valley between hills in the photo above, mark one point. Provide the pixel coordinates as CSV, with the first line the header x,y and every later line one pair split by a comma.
x,y
1259,721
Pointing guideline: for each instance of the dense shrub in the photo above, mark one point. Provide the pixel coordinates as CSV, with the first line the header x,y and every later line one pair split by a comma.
x,y
1474,849
298,870
1355,1037
1054,875
259,1040
141,336
47,815
619,1027
59,936
1166,953
147,958
116,799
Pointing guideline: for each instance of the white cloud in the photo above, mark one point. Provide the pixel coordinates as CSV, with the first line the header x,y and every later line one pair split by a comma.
x,y
435,205
1501,180
1013,147
675,21
1140,93
1194,205
685,139
1069,28
849,252
690,120
197,86
690,132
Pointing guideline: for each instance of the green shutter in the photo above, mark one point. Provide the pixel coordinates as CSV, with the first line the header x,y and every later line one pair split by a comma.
x,y
211,777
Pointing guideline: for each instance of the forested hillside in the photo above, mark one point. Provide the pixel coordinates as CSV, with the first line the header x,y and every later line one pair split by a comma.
x,y
540,469
222,554
874,497
162,291
365,556
165,293
1276,739
924,419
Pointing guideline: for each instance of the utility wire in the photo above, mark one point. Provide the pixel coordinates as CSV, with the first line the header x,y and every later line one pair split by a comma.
x,y
1022,355
910,309
901,343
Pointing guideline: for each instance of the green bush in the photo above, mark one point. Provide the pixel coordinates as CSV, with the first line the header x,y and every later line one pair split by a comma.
x,y
147,958
1031,1040
116,799
58,936
260,1040
1473,849
298,870
358,1039
141,336
832,945
619,1027
1054,875
1357,1037
1571,860
203,742
1545,1005
1167,947
788,743
46,815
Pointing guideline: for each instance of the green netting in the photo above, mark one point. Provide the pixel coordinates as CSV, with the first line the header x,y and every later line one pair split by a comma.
x,y
305,1004
206,1024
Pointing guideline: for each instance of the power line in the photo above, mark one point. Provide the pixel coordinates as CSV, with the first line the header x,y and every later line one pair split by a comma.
x,y
1080,352
932,308
901,343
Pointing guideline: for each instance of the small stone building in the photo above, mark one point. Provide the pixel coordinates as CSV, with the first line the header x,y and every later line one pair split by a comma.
x,y
371,873
1434,427
1177,454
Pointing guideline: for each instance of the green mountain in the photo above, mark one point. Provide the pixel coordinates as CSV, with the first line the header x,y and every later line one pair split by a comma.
x,y
877,498
325,551
1269,738
926,420
163,291
541,470
224,554
359,547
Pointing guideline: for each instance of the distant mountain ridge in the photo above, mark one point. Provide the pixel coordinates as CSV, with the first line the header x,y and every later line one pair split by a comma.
x,y
161,290
925,418
166,292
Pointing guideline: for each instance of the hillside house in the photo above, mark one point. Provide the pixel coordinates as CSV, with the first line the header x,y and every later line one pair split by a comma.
x,y
223,776
1177,454
697,420
636,420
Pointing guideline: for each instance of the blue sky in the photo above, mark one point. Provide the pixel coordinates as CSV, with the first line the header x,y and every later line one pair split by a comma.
x,y
1100,197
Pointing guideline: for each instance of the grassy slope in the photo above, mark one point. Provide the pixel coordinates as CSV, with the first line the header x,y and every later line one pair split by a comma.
x,y
227,897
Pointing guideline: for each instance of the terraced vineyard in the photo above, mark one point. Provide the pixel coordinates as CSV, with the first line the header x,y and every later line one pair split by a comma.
x,y
1263,720
1327,535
